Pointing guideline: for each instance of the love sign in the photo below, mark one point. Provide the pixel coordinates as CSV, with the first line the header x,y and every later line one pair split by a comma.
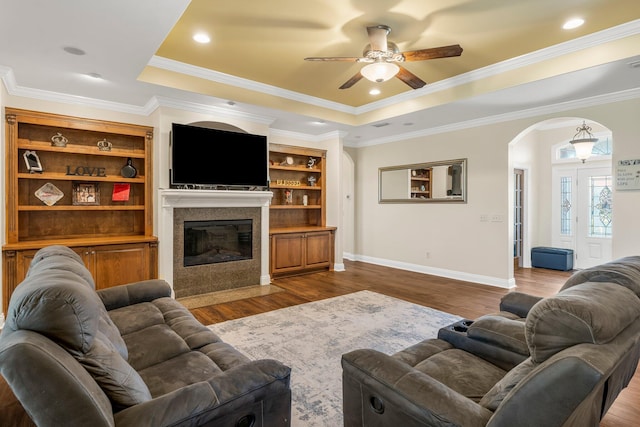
x,y
86,171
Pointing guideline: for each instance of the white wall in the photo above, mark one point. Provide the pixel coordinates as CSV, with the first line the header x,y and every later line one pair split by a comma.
x,y
459,244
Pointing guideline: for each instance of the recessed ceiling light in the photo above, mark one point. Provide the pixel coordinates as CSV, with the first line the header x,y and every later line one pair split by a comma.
x,y
74,50
231,103
201,38
95,76
573,23
374,92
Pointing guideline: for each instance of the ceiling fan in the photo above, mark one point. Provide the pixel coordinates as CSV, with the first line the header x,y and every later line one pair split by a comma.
x,y
383,57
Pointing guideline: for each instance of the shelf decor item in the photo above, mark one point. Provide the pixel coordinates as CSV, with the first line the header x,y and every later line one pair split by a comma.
x,y
49,194
311,163
86,193
58,140
312,180
33,161
104,145
128,171
121,192
288,197
288,161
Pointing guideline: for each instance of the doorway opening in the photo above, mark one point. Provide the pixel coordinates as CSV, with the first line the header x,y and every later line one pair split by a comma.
x,y
518,218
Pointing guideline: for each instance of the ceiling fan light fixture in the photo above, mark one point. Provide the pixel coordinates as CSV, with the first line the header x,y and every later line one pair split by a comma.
x,y
379,71
583,142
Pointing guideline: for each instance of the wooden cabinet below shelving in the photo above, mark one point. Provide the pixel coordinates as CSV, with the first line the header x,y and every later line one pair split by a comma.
x,y
110,264
295,251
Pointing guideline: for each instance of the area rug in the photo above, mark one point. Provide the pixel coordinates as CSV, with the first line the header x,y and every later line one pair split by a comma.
x,y
312,337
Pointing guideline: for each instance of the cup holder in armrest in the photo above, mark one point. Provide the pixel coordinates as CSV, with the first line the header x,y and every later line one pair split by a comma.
x,y
457,334
462,326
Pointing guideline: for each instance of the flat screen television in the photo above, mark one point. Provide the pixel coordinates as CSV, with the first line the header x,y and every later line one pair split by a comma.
x,y
208,158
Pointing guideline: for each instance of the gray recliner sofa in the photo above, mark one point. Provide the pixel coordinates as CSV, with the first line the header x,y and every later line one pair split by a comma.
x,y
582,348
127,356
500,337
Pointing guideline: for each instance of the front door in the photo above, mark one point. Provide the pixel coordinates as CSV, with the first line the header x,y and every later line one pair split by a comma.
x,y
594,215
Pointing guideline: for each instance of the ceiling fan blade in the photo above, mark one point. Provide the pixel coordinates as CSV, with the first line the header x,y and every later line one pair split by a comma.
x,y
353,80
334,58
433,53
378,37
409,78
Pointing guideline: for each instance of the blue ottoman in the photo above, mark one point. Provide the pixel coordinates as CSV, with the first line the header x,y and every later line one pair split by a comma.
x,y
553,258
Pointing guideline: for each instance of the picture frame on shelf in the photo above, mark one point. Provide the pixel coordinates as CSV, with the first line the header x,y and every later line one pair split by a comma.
x,y
86,193
32,161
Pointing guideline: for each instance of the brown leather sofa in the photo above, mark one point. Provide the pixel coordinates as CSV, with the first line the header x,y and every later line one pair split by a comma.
x,y
567,360
127,356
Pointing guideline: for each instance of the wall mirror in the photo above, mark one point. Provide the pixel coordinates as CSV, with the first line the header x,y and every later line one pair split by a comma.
x,y
432,182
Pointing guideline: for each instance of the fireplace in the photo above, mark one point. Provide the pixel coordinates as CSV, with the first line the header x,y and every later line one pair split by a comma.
x,y
214,241
180,206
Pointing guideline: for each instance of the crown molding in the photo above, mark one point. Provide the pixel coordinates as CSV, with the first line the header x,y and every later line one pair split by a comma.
x,y
195,107
608,98
227,79
308,137
10,83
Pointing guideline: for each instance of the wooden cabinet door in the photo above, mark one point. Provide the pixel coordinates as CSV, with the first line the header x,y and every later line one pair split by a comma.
x,y
287,252
113,265
23,262
318,249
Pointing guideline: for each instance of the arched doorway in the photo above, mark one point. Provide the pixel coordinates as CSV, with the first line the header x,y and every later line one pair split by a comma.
x,y
566,203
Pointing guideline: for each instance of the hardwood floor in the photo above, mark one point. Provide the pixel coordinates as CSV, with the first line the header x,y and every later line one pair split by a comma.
x,y
465,299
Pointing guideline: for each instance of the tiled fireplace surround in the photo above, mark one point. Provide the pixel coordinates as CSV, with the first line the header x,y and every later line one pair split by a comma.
x,y
176,206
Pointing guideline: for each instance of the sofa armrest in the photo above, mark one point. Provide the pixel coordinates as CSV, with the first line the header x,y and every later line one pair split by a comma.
x,y
501,332
171,408
39,372
229,393
378,389
134,293
518,303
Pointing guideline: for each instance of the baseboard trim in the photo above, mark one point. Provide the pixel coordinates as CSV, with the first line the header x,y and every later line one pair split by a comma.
x,y
441,272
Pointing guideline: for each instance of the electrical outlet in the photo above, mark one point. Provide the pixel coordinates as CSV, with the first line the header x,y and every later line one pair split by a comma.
x,y
497,218
484,218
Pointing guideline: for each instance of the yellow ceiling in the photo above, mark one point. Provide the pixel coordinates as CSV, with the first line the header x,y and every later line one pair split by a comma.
x,y
266,41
